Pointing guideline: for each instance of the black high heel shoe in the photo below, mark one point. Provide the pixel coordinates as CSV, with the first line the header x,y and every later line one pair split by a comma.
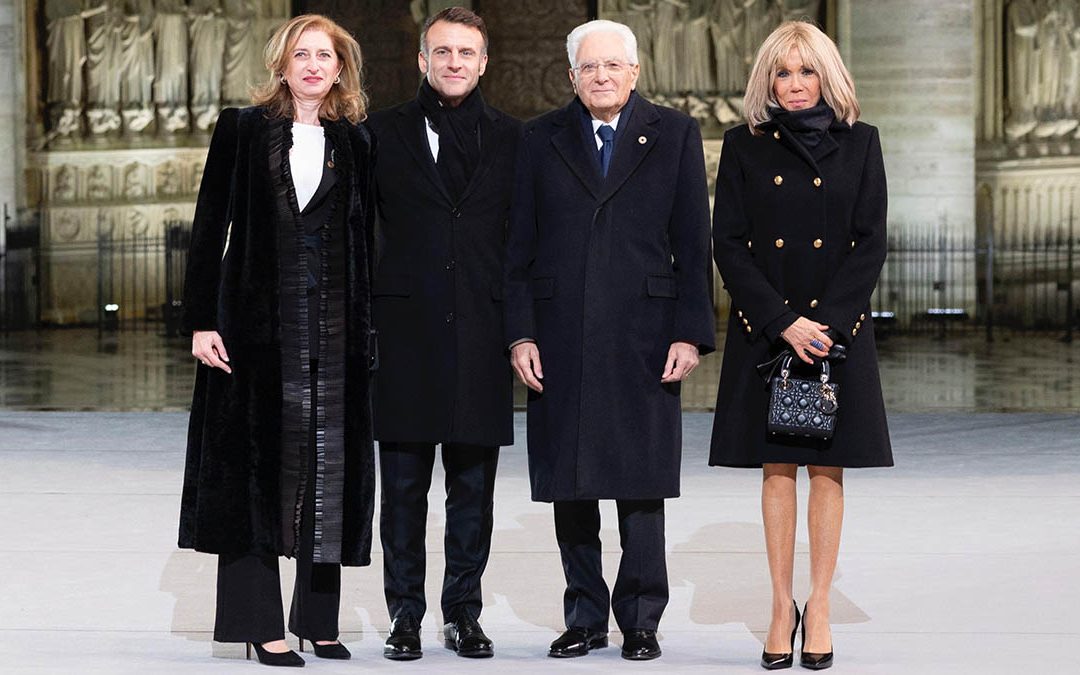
x,y
811,660
770,661
289,659
332,651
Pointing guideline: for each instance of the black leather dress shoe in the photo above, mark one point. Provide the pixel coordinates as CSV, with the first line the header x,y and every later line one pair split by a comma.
x,y
640,645
403,644
464,635
576,642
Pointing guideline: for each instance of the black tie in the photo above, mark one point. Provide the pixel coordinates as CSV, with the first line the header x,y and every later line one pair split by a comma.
x,y
607,135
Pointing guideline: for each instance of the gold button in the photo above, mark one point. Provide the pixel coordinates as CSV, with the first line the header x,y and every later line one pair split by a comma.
x,y
749,329
778,180
818,243
817,182
858,324
746,322
862,317
854,332
786,302
749,244
779,243
739,312
813,303
852,243
776,134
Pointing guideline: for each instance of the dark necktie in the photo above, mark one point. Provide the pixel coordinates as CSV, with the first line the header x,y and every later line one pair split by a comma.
x,y
607,135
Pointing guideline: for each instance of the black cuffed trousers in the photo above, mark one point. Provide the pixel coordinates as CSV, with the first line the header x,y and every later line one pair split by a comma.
x,y
641,587
470,491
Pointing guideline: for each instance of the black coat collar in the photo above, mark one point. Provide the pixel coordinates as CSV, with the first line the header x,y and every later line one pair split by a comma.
x,y
412,128
637,134
826,147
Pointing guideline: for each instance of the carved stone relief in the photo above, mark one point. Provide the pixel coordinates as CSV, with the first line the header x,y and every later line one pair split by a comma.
x,y
114,66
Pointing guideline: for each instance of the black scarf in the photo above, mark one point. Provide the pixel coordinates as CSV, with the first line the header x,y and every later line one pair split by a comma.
x,y
809,125
459,136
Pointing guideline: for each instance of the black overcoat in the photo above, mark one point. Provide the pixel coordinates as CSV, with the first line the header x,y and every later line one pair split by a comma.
x,y
233,499
799,233
605,273
443,375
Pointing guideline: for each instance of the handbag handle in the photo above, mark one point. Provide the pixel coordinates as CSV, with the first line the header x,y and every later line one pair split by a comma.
x,y
785,369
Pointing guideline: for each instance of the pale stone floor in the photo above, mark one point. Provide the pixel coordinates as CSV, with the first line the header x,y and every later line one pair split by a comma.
x,y
961,559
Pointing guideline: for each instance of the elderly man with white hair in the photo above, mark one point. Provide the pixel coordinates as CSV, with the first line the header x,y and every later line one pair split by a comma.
x,y
607,308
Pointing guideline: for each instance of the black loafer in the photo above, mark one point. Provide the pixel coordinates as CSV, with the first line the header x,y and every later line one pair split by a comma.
x,y
576,642
403,643
640,645
464,635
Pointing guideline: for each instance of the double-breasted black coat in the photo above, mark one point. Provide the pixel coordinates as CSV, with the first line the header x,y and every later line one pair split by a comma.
x,y
799,232
243,480
443,375
605,273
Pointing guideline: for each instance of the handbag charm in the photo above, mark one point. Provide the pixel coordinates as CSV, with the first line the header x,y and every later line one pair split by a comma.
x,y
803,407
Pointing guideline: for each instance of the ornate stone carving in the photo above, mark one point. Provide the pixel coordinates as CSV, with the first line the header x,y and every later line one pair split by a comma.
x,y
99,183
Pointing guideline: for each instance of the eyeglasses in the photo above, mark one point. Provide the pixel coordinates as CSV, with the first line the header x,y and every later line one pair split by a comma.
x,y
592,68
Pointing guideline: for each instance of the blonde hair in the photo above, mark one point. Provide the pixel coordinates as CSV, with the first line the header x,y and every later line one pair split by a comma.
x,y
817,51
346,99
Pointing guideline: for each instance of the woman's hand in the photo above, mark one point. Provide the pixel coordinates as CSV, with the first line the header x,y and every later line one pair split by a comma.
x,y
207,347
807,337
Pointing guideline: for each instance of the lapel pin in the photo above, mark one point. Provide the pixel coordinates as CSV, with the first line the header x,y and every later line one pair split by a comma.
x,y
330,164
642,140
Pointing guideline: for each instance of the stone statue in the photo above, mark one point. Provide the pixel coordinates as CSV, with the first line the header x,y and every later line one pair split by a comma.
x,y
243,67
208,32
137,65
171,57
104,23
698,65
726,27
638,16
1049,59
66,45
667,26
1070,81
762,17
1022,72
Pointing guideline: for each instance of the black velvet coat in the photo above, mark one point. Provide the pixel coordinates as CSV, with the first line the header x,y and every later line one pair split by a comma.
x,y
443,374
799,233
247,436
605,273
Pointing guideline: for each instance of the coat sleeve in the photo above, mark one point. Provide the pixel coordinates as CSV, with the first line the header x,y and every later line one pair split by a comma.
x,y
688,231
210,228
750,291
520,252
847,294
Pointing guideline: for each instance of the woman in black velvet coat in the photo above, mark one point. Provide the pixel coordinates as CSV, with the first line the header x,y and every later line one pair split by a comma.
x,y
799,239
280,457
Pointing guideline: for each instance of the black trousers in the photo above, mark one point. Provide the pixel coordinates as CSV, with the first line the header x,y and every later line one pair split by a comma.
x,y
405,470
641,587
249,586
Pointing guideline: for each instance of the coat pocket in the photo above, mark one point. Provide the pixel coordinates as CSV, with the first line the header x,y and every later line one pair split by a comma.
x,y
661,286
392,285
543,288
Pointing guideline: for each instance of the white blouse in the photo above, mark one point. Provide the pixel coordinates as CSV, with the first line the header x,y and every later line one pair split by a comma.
x,y
306,160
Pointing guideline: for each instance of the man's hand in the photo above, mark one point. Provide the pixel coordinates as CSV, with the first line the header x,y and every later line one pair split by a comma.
x,y
206,345
805,336
525,358
682,358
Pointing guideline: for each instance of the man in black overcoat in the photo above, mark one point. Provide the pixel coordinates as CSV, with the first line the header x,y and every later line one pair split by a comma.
x,y
608,306
443,181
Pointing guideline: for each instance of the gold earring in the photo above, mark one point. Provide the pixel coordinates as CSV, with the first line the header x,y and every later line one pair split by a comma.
x,y
337,80
283,80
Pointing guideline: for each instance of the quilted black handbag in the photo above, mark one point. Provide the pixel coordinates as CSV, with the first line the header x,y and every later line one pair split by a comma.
x,y
801,407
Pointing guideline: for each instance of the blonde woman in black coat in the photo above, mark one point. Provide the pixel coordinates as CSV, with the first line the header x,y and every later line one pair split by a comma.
x,y
799,239
280,458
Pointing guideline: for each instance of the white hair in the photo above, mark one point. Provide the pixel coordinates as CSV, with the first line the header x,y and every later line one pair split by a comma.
x,y
576,36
